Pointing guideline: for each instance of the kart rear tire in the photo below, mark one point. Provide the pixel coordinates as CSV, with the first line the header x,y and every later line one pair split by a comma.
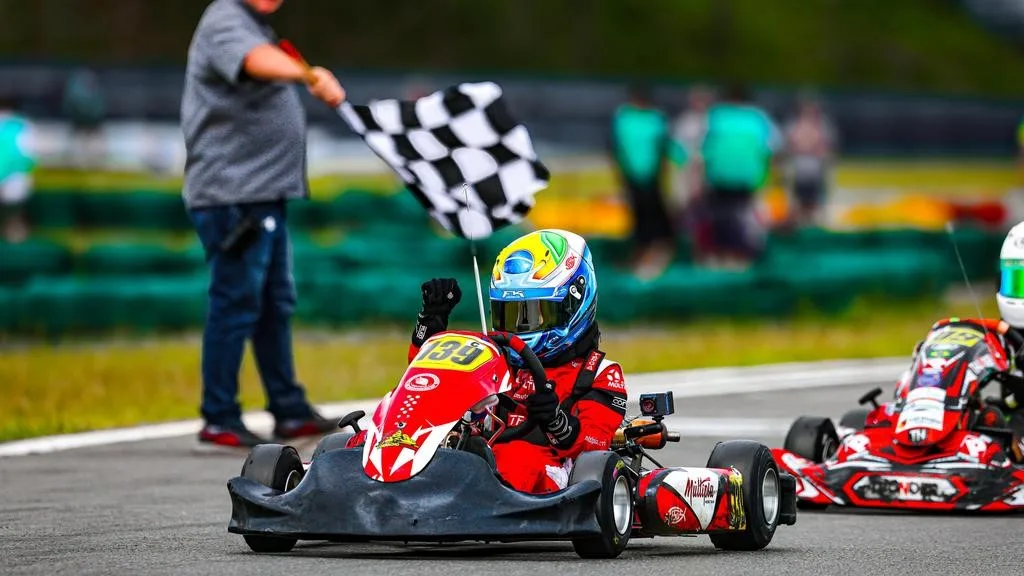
x,y
335,441
762,493
812,438
614,505
856,419
278,467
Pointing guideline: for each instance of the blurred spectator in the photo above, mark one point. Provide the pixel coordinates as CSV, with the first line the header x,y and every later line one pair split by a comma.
x,y
85,107
689,129
810,148
737,154
17,161
641,145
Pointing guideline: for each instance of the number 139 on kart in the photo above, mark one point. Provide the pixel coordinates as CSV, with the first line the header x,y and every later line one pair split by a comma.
x,y
453,352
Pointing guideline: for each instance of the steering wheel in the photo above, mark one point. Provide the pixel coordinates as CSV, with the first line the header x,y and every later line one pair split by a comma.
x,y
533,364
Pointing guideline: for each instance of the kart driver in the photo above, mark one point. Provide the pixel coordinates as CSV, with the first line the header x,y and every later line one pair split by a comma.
x,y
1010,328
544,290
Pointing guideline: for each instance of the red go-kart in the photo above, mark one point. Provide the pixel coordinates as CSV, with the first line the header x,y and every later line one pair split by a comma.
x,y
934,447
423,471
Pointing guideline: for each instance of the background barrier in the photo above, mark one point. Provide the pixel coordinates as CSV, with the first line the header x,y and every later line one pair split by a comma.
x,y
361,257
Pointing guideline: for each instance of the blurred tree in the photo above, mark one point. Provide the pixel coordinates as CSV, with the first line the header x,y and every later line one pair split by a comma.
x,y
910,44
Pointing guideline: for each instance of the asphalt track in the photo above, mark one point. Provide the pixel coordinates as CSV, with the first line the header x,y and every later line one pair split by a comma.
x,y
155,507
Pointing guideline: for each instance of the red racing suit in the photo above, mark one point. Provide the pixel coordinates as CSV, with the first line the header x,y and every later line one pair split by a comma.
x,y
597,389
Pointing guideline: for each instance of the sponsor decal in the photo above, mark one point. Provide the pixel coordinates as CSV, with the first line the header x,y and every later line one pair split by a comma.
x,y
512,294
737,516
887,488
422,382
925,408
699,489
918,435
857,443
675,516
516,419
615,380
570,262
619,402
399,438
974,446
592,362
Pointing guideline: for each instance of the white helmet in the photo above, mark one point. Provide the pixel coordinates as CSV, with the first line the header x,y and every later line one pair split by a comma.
x,y
1011,278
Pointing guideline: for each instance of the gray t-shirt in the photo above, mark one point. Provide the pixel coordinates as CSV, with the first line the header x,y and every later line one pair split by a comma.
x,y
245,139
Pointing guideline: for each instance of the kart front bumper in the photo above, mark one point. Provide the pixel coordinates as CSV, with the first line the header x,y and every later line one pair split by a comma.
x,y
456,497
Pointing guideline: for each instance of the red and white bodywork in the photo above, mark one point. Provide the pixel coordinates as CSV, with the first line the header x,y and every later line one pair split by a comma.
x,y
455,373
689,501
920,452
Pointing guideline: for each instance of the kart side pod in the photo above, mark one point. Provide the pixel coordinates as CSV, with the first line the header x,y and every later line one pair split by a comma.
x,y
674,501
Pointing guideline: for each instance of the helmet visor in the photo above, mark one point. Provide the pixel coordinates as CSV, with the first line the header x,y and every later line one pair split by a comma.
x,y
1011,278
522,316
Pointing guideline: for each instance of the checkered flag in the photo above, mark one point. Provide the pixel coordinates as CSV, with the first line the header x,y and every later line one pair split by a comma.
x,y
460,153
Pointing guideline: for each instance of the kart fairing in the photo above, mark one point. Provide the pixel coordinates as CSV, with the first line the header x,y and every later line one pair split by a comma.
x,y
457,496
973,476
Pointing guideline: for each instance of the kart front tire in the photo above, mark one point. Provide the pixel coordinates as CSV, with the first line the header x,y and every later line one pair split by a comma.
x,y
614,505
813,438
278,467
762,493
331,442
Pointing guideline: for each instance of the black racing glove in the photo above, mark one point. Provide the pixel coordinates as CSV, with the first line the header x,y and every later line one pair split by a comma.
x,y
561,428
440,296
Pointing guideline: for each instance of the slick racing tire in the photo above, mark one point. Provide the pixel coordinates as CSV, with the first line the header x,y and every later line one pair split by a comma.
x,y
762,493
856,419
331,442
815,439
614,505
278,467
812,438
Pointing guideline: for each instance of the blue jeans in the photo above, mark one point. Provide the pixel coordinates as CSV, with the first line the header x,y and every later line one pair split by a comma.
x,y
251,295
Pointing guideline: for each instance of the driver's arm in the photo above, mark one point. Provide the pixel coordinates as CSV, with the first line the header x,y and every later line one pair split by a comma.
x,y
440,295
599,413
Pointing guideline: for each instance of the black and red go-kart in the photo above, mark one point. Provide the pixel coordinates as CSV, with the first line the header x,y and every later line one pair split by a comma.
x,y
425,473
934,447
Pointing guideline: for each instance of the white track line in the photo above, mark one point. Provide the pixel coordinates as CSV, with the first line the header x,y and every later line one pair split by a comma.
x,y
682,383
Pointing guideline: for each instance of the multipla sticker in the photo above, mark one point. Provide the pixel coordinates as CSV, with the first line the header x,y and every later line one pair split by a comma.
x,y
699,489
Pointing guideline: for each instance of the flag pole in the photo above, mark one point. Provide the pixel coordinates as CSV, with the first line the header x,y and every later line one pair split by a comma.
x,y
476,271
479,288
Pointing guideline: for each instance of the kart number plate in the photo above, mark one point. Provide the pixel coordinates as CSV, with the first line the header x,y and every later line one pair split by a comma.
x,y
453,352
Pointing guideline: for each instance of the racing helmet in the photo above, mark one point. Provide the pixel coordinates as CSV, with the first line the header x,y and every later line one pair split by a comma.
x,y
1011,278
544,290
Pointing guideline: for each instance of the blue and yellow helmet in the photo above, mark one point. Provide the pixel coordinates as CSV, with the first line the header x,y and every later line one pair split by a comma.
x,y
544,290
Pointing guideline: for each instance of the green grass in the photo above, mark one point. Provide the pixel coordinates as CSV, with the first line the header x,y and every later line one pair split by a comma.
x,y
89,385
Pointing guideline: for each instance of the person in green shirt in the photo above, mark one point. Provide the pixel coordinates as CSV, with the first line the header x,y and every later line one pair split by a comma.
x,y
738,149
641,145
17,162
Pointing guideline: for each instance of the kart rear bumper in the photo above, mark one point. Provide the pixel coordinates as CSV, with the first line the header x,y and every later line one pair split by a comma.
x,y
456,497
